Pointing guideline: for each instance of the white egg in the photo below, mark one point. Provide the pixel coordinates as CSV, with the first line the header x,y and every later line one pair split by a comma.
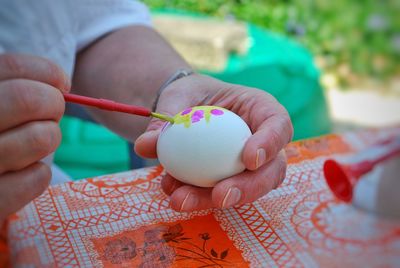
x,y
203,146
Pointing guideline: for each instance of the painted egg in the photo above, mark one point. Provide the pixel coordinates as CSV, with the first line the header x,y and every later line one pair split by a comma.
x,y
203,146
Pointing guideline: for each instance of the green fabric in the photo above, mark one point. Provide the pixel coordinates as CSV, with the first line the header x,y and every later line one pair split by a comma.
x,y
88,149
283,68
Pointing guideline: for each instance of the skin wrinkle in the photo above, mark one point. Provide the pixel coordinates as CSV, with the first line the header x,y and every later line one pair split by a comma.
x,y
11,63
240,106
232,102
206,99
223,98
260,186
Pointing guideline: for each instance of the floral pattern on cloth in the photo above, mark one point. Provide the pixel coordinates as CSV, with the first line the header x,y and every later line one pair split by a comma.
x,y
124,220
178,244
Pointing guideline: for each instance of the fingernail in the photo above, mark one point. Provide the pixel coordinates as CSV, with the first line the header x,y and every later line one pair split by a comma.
x,y
67,83
232,197
260,157
189,203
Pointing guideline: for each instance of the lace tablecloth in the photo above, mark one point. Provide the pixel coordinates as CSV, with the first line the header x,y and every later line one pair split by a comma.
x,y
124,220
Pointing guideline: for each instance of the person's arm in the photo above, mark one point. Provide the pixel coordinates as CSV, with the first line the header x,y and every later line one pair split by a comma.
x,y
128,65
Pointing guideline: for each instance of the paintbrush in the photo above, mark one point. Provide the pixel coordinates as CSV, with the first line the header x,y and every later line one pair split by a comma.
x,y
110,105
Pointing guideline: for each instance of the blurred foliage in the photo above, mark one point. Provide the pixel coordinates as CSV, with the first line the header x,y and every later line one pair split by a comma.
x,y
352,38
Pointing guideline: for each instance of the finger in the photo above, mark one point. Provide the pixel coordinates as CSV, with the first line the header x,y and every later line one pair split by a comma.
x,y
250,185
27,144
190,198
20,187
169,184
146,144
26,100
269,138
13,66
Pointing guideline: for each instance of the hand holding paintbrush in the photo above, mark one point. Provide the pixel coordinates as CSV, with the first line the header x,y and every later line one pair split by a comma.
x,y
115,106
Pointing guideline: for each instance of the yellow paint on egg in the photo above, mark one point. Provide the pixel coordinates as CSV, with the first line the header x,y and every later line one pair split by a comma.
x,y
195,114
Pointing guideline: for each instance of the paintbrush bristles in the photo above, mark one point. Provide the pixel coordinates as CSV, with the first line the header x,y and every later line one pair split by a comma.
x,y
163,117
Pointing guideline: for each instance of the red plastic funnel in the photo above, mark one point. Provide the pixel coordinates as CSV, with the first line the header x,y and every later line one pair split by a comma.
x,y
341,178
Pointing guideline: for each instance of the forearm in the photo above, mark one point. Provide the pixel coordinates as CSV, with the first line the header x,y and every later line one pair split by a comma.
x,y
128,66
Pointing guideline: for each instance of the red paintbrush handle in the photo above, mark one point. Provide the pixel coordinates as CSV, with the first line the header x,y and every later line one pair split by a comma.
x,y
107,104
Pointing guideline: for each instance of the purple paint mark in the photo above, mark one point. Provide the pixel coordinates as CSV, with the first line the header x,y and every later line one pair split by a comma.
x,y
186,111
197,116
165,126
217,112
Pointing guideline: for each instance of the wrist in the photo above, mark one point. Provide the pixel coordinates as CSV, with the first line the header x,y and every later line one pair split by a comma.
x,y
180,73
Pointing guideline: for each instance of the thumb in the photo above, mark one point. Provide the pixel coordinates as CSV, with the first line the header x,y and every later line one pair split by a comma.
x,y
146,144
168,104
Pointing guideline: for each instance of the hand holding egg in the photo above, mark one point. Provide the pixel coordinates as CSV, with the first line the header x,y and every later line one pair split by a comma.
x,y
208,145
203,146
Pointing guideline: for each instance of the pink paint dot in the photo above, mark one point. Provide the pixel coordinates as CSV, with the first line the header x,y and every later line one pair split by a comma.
x,y
197,116
186,111
217,112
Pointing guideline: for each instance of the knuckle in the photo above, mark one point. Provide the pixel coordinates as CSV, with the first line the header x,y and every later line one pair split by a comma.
x,y
44,137
282,167
288,126
275,139
54,72
260,188
42,178
10,62
282,173
25,99
57,104
30,98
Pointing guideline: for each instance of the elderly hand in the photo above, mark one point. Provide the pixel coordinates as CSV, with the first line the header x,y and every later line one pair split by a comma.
x,y
31,106
263,154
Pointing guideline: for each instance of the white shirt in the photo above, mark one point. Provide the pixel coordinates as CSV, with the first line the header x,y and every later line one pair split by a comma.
x,y
58,29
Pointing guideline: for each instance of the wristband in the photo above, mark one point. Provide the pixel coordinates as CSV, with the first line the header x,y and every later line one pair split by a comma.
x,y
177,75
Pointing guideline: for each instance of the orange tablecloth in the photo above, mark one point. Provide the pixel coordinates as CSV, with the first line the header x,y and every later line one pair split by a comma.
x,y
124,220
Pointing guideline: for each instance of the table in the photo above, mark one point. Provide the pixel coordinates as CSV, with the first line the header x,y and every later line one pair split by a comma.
x,y
124,220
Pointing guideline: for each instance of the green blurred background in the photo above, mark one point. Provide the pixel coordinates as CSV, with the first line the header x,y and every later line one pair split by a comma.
x,y
353,39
